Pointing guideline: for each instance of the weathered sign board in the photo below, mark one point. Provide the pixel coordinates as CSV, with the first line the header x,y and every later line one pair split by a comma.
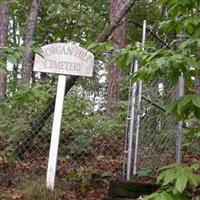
x,y
63,59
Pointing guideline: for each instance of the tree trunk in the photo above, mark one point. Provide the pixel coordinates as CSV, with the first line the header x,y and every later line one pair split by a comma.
x,y
4,21
127,5
119,39
27,63
16,42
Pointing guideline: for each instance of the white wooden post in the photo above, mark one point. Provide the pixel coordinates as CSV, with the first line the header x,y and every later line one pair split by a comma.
x,y
68,59
51,170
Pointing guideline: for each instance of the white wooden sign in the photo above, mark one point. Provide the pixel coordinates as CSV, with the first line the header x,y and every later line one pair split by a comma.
x,y
63,59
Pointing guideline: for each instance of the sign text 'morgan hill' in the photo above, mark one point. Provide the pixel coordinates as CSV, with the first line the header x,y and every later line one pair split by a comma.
x,y
62,58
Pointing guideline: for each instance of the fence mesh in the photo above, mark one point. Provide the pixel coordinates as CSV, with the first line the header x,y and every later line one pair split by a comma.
x,y
157,135
155,145
81,145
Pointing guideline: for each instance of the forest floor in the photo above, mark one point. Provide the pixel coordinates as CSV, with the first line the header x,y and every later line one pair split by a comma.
x,y
19,194
17,181
26,181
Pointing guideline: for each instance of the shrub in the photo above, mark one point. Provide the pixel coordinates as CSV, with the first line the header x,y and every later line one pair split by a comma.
x,y
177,183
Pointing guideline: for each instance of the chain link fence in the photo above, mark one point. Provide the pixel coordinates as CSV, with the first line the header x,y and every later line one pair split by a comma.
x,y
157,139
154,143
87,141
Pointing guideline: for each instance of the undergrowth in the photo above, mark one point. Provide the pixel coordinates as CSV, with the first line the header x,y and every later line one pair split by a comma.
x,y
36,190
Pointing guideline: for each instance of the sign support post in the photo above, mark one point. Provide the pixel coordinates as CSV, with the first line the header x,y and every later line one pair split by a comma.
x,y
51,170
65,59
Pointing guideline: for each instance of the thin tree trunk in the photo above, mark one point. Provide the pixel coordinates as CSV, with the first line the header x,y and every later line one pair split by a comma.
x,y
15,41
15,44
4,21
38,124
119,39
27,63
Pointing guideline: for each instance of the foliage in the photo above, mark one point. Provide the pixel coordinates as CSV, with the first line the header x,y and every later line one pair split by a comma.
x,y
37,190
83,179
84,117
180,56
177,183
80,123
18,110
186,107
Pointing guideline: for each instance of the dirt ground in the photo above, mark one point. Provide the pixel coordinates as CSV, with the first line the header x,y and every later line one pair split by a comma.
x,y
24,180
18,180
19,194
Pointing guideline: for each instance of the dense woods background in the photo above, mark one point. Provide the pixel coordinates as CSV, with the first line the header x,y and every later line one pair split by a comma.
x,y
95,109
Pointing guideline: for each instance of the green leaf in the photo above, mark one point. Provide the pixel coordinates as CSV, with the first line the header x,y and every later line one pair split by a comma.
x,y
72,175
92,45
82,188
197,112
194,179
190,28
170,176
195,166
181,183
166,196
187,43
183,103
170,108
196,101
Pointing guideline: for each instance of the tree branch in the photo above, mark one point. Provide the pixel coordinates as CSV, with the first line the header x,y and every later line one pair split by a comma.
x,y
109,29
151,32
153,103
